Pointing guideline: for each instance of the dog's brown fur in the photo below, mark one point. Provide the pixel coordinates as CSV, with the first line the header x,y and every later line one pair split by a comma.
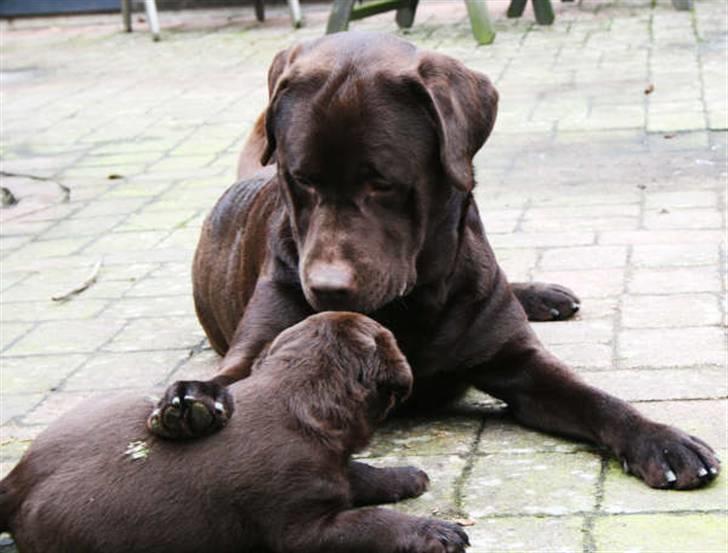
x,y
279,478
369,207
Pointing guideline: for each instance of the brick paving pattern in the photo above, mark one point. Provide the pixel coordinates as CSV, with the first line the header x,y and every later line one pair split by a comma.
x,y
587,181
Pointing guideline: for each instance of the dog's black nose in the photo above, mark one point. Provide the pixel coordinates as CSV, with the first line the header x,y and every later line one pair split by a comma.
x,y
332,284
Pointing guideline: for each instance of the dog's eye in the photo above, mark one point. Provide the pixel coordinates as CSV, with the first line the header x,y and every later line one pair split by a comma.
x,y
381,187
304,183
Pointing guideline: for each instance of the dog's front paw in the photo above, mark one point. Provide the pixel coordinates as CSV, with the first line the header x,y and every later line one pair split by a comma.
x,y
191,409
547,302
665,457
437,536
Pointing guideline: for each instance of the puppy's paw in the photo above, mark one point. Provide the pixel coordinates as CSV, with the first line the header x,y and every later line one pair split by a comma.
x,y
548,302
191,409
409,482
437,536
665,457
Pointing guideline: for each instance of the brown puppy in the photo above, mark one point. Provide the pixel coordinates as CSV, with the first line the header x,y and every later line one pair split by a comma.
x,y
369,208
279,478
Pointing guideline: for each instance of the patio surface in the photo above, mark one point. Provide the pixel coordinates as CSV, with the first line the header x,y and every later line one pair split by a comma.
x,y
588,180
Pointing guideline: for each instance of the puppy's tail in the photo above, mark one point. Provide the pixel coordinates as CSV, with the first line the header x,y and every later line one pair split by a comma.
x,y
250,158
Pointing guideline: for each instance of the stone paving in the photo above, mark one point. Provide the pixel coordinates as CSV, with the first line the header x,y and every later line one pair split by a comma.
x,y
606,172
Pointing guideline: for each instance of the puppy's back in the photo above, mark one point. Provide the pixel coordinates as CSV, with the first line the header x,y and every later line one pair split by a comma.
x,y
96,480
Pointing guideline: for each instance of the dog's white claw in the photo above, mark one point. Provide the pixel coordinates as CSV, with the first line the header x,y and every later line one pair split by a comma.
x,y
156,412
176,401
219,408
713,470
189,397
670,477
625,466
702,472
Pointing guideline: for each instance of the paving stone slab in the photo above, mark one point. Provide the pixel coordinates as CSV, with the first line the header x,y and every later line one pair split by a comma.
x,y
627,494
667,533
65,337
451,435
671,347
671,310
444,471
537,483
521,534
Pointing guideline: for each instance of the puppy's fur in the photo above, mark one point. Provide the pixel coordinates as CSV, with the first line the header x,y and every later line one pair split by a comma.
x,y
278,479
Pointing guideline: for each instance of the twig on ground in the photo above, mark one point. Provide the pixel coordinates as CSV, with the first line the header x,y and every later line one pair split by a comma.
x,y
84,285
65,191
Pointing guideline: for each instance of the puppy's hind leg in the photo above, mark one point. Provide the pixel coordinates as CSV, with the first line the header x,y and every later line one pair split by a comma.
x,y
372,485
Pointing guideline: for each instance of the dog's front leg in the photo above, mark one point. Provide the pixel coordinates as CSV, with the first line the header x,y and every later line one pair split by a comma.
x,y
544,394
193,408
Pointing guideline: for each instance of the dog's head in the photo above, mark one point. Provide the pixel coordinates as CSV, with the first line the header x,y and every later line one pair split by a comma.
x,y
343,372
374,142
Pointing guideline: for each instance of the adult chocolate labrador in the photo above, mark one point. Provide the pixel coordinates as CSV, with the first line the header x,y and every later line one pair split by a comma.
x,y
367,205
280,477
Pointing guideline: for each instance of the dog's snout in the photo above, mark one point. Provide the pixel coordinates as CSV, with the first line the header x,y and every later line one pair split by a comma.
x,y
331,283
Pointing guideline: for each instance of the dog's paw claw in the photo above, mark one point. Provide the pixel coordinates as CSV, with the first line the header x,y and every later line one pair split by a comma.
x,y
190,410
665,457
548,302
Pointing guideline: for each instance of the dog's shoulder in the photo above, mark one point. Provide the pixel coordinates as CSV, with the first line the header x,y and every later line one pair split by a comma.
x,y
237,202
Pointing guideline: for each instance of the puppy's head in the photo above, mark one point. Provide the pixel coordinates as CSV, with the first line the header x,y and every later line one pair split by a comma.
x,y
341,374
374,143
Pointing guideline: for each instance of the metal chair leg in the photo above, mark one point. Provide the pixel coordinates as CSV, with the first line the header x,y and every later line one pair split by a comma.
x,y
259,10
126,14
296,16
151,7
406,14
483,30
340,16
544,12
516,7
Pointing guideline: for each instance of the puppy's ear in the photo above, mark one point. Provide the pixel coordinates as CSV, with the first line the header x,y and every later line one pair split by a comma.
x,y
393,373
464,105
277,82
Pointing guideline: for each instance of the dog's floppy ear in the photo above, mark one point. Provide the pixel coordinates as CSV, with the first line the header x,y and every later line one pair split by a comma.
x,y
464,105
276,84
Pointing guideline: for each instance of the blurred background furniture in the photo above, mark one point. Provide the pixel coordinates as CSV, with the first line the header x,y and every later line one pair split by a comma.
x,y
542,9
151,8
152,17
344,11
